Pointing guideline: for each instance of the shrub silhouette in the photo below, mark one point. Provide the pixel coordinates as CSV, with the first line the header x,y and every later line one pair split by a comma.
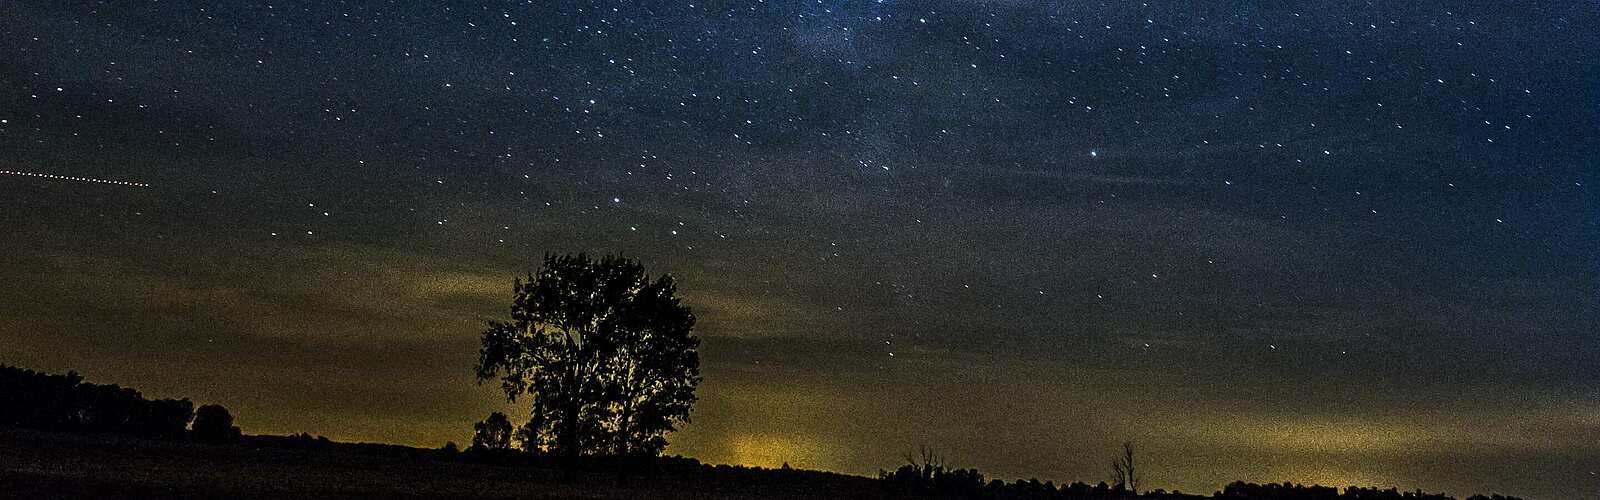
x,y
213,424
606,355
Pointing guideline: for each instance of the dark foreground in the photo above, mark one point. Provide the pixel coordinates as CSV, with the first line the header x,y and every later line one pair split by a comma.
x,y
40,464
54,465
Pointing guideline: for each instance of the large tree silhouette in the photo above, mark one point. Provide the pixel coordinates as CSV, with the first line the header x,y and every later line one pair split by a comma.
x,y
606,356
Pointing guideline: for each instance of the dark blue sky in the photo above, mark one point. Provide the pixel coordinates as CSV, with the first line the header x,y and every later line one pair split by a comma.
x,y
1340,242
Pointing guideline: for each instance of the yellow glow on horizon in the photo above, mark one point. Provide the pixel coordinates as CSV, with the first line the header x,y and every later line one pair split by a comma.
x,y
773,451
1316,435
1328,476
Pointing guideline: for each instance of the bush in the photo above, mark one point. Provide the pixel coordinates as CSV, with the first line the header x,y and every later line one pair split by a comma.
x,y
213,424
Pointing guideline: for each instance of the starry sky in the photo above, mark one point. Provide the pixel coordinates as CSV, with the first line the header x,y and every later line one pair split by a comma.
x,y
1335,242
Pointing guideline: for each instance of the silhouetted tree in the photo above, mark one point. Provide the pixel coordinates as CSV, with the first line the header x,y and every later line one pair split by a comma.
x,y
606,355
493,433
1123,474
213,424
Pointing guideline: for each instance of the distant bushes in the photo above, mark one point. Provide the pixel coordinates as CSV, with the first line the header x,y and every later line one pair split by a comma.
x,y
1286,491
968,484
44,401
927,477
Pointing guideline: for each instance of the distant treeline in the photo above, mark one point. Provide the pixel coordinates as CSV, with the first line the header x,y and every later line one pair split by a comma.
x,y
1286,491
66,403
930,480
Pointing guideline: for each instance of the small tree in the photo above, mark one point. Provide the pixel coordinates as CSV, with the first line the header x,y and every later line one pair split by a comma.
x,y
493,433
606,355
213,424
1123,475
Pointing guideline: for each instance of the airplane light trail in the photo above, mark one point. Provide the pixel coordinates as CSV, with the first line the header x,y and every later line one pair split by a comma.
x,y
72,178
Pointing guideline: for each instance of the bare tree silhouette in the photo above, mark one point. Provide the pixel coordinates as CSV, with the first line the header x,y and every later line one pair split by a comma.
x,y
1123,474
930,466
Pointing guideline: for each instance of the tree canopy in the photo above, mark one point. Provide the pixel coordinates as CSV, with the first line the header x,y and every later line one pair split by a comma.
x,y
493,433
605,355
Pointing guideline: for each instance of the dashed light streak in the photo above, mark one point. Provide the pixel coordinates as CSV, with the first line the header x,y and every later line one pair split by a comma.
x,y
72,178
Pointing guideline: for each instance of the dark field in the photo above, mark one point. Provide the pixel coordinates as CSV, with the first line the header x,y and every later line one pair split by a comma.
x,y
54,465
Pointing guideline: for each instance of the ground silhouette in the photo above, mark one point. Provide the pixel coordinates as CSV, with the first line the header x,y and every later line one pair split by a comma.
x,y
64,438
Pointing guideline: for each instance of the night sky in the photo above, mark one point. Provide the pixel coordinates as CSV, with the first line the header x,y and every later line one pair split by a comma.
x,y
1334,242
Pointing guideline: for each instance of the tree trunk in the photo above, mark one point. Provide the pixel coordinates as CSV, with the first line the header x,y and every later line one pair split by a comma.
x,y
569,429
625,468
